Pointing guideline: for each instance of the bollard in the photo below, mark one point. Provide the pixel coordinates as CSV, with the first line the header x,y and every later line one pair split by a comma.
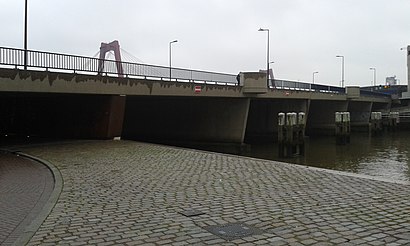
x,y
291,133
291,120
300,145
393,121
376,124
338,127
281,133
342,127
301,118
281,119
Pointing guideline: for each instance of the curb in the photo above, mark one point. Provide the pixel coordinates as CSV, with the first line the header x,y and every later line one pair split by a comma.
x,y
34,225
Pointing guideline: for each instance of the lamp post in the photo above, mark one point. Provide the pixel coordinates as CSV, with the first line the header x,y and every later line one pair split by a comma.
x,y
313,80
374,75
267,55
170,58
25,35
408,66
343,69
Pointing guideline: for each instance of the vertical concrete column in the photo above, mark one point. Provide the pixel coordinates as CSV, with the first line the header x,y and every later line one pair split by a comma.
x,y
360,115
321,118
406,94
115,118
220,120
247,104
263,117
186,119
408,68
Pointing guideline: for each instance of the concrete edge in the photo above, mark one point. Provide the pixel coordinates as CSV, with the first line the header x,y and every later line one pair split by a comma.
x,y
336,172
32,228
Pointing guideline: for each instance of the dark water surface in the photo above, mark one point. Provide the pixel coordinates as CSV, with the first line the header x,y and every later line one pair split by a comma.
x,y
386,156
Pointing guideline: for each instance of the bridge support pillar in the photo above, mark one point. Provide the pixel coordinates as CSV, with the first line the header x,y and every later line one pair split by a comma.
x,y
115,108
360,115
321,117
263,117
186,120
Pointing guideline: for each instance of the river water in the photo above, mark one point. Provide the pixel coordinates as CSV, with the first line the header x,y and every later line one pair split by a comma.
x,y
386,156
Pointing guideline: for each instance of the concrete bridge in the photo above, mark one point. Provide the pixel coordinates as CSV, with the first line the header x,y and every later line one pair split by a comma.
x,y
75,101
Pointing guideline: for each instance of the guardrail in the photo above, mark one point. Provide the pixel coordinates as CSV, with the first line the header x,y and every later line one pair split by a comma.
x,y
11,57
374,94
89,65
294,85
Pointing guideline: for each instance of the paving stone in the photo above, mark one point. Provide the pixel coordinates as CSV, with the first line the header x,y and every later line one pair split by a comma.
x,y
124,190
25,187
180,243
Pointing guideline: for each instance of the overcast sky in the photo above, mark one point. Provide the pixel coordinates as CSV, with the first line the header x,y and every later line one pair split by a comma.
x,y
222,35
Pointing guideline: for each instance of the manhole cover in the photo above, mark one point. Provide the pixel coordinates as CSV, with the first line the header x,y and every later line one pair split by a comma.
x,y
191,212
65,221
233,231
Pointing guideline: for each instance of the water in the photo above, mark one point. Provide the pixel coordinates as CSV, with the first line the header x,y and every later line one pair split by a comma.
x,y
386,156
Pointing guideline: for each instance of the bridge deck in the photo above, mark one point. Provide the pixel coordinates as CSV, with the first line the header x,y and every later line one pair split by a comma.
x,y
12,80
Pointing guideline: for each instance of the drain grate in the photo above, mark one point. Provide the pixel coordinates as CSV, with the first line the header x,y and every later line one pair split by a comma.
x,y
233,231
191,212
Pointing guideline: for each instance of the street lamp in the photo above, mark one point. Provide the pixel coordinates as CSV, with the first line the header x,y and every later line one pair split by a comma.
x,y
374,75
343,69
25,35
170,59
267,55
313,80
408,66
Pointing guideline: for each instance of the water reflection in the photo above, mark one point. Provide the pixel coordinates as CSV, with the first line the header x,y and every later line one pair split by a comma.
x,y
385,156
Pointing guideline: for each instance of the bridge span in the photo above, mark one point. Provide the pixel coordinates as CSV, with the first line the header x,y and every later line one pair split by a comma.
x,y
68,96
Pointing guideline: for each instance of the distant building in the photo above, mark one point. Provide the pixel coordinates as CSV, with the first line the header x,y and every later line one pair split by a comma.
x,y
391,80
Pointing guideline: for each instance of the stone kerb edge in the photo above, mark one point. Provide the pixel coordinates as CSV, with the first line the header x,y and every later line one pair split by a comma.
x,y
32,228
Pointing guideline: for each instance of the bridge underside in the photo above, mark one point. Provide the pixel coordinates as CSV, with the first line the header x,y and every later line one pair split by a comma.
x,y
188,119
61,115
263,117
321,118
58,105
166,119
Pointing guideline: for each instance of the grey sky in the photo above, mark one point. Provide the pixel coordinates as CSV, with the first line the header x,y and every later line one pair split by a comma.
x,y
218,35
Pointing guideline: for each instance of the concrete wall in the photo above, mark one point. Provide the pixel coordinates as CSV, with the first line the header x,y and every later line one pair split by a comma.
x,y
186,119
12,80
263,117
253,82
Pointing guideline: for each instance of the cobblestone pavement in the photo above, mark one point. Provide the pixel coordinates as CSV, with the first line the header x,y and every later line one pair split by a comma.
x,y
122,192
25,186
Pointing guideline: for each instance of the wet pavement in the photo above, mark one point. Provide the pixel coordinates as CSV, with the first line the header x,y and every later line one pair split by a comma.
x,y
25,186
130,193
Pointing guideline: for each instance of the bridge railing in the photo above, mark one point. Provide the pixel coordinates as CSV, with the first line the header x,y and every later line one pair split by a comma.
x,y
374,94
89,65
295,85
12,57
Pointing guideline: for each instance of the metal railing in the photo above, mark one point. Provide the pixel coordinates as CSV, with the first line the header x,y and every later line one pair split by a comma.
x,y
11,57
89,65
294,85
374,94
